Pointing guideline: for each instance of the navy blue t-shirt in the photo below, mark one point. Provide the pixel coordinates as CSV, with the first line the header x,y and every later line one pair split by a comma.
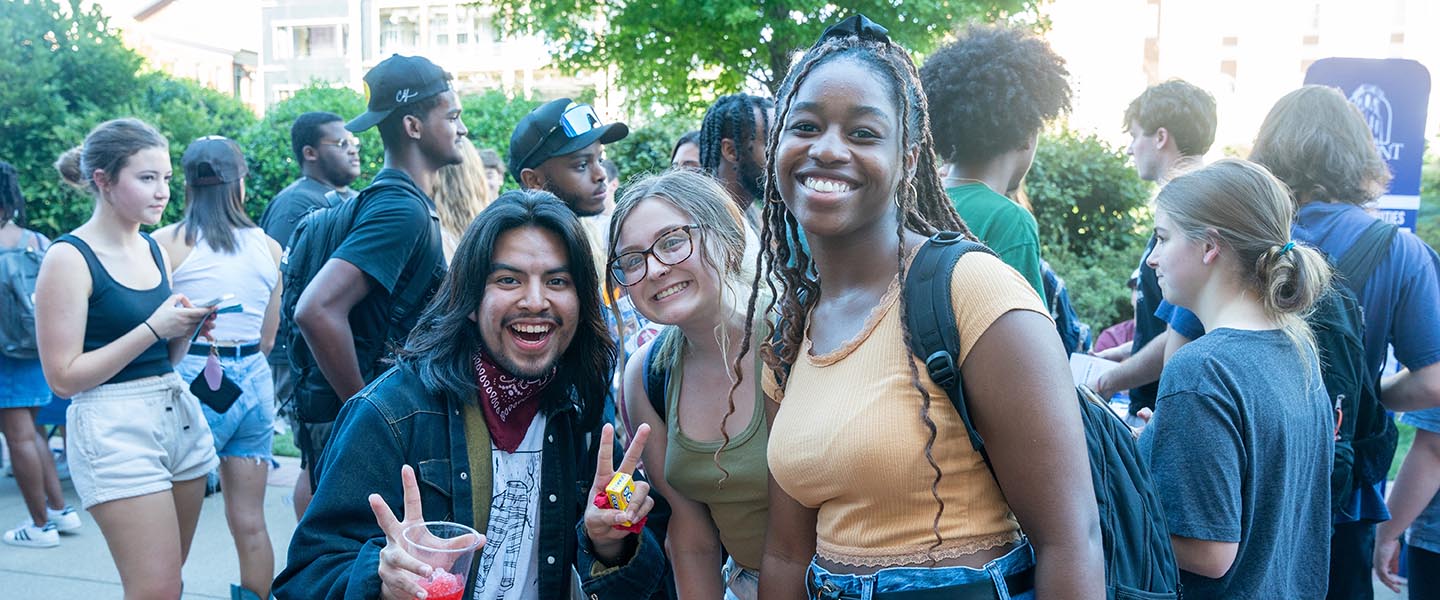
x,y
390,238
1240,450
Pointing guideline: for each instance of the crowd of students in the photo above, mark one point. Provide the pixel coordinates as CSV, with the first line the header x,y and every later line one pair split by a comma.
x,y
452,355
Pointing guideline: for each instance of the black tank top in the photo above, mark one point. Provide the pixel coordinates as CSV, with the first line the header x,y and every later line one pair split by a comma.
x,y
116,309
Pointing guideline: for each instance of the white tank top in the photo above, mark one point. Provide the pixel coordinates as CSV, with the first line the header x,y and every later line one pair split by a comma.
x,y
250,273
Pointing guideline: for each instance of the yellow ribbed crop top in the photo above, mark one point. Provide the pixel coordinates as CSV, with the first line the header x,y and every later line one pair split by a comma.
x,y
848,438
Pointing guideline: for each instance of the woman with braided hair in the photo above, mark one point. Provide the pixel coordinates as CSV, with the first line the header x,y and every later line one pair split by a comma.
x,y
852,413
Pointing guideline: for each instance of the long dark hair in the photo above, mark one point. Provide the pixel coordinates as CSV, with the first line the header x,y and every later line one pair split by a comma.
x,y
787,267
440,347
12,202
215,211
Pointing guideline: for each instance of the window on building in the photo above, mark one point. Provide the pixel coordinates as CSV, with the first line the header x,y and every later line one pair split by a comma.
x,y
439,27
1397,37
399,29
1230,41
471,28
1311,40
310,41
1229,67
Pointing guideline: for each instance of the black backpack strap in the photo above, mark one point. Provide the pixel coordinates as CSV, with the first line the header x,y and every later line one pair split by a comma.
x,y
930,318
657,378
1365,254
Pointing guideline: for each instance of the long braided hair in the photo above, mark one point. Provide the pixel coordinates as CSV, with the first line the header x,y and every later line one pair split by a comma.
x,y
785,265
732,118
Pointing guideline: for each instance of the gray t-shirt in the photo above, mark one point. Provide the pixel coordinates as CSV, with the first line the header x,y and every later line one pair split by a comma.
x,y
1240,449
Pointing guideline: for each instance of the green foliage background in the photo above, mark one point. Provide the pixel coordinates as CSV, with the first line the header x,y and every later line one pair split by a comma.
x,y
680,54
1094,217
66,71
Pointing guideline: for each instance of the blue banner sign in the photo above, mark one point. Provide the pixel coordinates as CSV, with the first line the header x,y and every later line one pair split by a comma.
x,y
1392,94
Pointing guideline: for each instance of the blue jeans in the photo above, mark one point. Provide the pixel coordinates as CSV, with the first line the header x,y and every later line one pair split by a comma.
x,y
907,579
246,429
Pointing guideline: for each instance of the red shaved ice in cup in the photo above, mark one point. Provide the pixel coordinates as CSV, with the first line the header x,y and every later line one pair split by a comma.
x,y
448,548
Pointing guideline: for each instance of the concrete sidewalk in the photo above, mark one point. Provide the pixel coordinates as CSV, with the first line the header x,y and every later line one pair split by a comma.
x,y
81,567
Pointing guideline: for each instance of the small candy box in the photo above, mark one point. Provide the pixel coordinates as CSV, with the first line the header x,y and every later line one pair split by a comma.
x,y
619,492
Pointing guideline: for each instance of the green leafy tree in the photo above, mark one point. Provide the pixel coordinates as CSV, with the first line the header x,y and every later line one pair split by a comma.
x,y
1094,214
681,54
65,70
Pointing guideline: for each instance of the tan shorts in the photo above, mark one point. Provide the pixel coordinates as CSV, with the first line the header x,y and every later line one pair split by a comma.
x,y
136,437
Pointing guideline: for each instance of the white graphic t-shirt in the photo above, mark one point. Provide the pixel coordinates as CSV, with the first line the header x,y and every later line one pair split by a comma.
x,y
509,562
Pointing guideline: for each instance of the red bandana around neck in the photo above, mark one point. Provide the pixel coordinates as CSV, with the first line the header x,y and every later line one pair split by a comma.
x,y
510,403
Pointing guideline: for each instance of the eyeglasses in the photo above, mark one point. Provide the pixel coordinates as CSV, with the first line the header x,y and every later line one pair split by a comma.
x,y
345,144
673,247
576,121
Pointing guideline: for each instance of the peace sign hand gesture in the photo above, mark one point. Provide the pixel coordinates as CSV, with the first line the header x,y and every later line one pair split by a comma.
x,y
605,539
400,572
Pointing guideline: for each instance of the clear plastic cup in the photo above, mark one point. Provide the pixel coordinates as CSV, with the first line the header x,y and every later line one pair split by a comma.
x,y
447,547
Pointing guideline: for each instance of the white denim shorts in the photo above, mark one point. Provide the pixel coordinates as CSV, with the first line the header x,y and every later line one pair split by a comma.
x,y
134,438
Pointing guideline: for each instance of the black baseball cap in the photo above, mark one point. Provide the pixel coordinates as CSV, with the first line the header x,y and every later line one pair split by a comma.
x,y
213,160
557,128
396,82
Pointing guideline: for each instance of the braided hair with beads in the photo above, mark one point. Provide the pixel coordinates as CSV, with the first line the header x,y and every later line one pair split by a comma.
x,y
786,266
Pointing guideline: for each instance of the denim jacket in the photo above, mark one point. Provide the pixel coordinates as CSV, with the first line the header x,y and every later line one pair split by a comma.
x,y
335,551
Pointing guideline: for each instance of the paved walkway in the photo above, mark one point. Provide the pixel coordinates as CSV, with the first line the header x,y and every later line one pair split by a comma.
x,y
81,567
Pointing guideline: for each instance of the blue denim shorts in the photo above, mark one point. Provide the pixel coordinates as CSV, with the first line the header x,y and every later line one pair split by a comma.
x,y
22,384
245,430
909,579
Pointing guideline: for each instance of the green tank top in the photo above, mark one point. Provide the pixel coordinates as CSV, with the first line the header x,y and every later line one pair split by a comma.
x,y
740,505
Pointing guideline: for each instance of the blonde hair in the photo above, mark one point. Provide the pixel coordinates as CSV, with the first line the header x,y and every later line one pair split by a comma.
x,y
1249,211
461,191
1317,142
722,235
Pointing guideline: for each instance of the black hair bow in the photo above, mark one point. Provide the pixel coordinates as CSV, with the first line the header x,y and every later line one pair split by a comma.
x,y
859,26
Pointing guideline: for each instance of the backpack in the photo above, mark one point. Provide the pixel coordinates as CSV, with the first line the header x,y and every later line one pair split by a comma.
x,y
1073,334
19,267
1139,561
315,239
657,378
1365,436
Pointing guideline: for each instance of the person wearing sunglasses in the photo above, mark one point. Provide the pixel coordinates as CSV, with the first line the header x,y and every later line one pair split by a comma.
x,y
557,148
679,242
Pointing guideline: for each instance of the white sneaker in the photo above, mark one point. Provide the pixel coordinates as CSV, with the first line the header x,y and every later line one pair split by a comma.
x,y
65,520
27,534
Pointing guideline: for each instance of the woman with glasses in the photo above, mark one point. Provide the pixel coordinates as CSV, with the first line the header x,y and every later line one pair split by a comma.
x,y
216,251
677,244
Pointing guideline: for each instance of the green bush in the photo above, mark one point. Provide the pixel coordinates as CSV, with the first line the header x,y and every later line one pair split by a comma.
x,y
77,73
267,143
1094,217
1427,224
647,148
491,117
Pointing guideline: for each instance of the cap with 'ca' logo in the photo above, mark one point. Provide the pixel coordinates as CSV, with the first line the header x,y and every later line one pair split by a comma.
x,y
396,82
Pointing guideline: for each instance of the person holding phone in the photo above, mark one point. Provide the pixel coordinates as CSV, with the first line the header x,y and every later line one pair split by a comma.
x,y
217,248
491,418
110,331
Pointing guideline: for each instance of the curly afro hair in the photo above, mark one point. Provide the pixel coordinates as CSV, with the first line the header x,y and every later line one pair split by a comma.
x,y
990,90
